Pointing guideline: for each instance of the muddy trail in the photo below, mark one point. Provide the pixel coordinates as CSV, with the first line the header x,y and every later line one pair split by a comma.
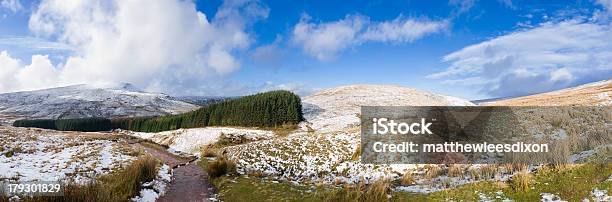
x,y
189,181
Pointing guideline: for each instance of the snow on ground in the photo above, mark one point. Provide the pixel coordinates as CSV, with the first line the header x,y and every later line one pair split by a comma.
x,y
605,98
154,189
299,157
328,158
547,197
600,195
325,153
191,140
34,154
78,101
338,108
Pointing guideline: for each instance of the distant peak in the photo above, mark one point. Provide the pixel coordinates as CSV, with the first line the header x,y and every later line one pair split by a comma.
x,y
117,86
128,86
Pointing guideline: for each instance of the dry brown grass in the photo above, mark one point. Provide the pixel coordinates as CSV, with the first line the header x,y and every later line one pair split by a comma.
x,y
474,174
209,151
488,171
433,171
407,179
455,170
357,154
521,181
583,96
375,192
514,167
255,173
220,167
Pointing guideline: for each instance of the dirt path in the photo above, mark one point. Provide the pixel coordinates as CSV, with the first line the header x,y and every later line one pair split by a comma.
x,y
189,183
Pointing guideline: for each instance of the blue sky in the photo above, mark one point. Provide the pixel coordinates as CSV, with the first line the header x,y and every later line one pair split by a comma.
x,y
470,49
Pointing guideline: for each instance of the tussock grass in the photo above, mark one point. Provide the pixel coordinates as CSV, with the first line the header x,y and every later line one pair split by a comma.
x,y
455,170
514,167
375,192
220,167
521,181
209,151
357,153
433,172
407,179
15,150
488,171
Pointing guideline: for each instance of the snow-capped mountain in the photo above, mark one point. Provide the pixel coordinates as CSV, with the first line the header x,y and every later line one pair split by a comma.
x,y
336,108
78,101
590,94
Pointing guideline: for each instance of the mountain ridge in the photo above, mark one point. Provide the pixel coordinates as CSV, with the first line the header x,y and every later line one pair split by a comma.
x,y
83,100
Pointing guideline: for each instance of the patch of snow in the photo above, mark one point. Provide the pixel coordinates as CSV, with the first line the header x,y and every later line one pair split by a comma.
x,y
154,189
575,158
600,195
548,197
191,140
605,98
559,134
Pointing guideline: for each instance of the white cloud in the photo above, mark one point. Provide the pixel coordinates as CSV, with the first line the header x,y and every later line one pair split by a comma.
x,y
12,5
164,44
34,43
40,73
402,30
10,67
607,4
550,56
325,40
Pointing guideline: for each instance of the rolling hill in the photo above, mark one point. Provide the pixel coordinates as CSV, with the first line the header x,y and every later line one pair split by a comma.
x,y
591,94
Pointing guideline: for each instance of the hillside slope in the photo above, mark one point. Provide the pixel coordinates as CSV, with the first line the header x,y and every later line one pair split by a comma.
x,y
336,108
79,101
591,94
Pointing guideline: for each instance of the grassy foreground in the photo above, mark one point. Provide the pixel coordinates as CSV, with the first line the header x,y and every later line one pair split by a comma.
x,y
571,183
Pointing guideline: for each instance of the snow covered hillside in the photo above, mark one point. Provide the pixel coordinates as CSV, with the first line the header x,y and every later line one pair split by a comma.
x,y
87,101
34,154
326,152
337,108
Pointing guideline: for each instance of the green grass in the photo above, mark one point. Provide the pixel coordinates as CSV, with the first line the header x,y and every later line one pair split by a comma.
x,y
243,188
571,184
257,189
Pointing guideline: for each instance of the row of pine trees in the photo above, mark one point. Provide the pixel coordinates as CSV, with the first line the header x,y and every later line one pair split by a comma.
x,y
268,109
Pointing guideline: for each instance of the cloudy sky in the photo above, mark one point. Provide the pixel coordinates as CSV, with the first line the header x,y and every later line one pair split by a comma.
x,y
471,49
